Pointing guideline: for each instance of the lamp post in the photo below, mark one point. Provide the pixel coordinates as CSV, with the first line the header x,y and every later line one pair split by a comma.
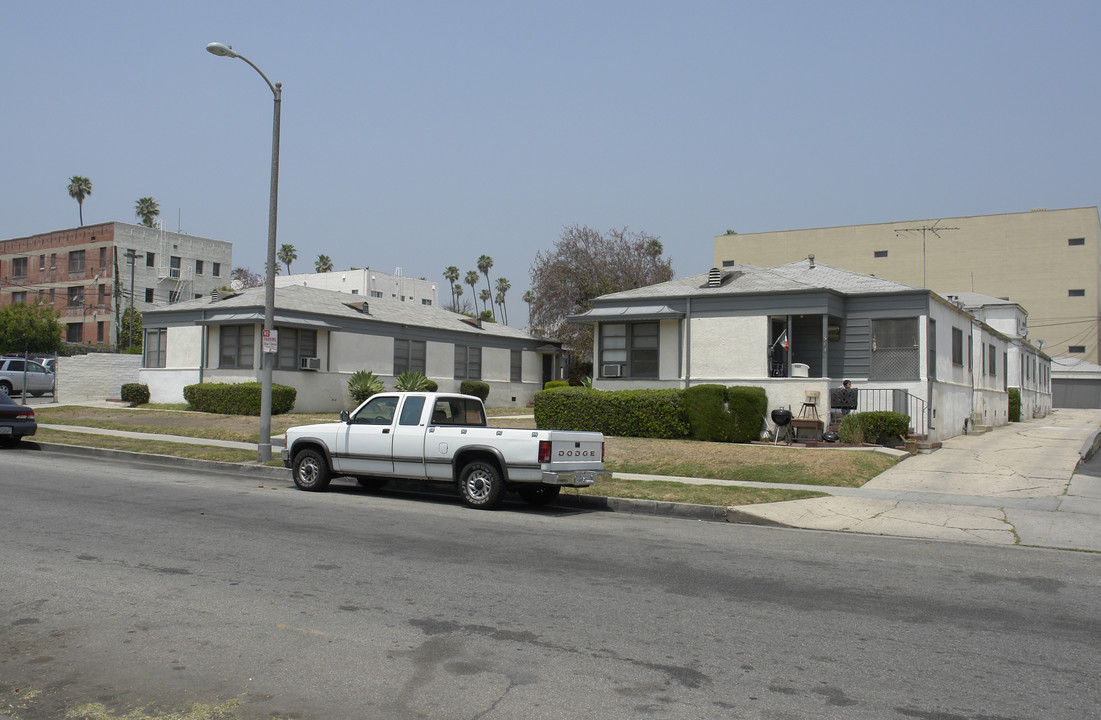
x,y
267,360
132,257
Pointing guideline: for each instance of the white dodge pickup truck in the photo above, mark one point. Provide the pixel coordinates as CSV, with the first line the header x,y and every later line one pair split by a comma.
x,y
444,438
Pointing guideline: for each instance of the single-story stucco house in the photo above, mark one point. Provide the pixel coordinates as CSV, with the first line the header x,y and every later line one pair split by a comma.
x,y
800,329
324,336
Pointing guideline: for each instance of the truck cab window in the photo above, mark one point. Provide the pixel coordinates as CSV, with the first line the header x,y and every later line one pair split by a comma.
x,y
379,411
411,411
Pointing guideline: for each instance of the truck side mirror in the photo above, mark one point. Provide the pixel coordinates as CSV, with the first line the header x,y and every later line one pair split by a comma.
x,y
344,417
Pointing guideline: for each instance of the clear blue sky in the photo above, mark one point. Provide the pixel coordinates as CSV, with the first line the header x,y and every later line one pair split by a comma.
x,y
424,134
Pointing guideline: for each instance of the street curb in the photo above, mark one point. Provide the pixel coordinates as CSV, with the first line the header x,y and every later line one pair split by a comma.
x,y
592,503
1090,447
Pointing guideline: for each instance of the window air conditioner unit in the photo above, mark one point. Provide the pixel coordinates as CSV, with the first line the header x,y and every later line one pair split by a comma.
x,y
611,370
309,363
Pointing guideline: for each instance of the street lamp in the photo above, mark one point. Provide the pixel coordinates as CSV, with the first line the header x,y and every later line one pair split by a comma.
x,y
266,359
132,257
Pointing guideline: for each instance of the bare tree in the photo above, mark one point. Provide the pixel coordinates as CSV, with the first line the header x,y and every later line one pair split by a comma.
x,y
585,264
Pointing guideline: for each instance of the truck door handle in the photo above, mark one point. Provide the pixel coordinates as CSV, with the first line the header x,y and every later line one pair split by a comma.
x,y
385,431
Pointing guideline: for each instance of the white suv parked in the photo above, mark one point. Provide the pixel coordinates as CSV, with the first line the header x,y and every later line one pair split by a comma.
x,y
12,371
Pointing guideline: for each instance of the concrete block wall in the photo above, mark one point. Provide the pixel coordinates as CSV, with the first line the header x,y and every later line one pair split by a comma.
x,y
96,376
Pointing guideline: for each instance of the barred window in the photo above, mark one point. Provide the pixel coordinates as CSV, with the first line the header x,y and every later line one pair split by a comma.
x,y
409,355
237,344
295,344
155,348
630,346
895,349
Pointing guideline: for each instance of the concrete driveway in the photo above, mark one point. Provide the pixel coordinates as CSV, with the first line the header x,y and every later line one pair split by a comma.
x,y
1017,484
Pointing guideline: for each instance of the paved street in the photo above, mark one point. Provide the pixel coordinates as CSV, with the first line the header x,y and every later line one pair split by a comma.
x,y
137,585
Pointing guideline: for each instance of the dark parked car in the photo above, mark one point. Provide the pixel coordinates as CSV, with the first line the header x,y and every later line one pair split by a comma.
x,y
16,421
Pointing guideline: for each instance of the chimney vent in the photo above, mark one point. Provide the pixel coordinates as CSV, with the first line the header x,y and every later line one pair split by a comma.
x,y
714,277
811,258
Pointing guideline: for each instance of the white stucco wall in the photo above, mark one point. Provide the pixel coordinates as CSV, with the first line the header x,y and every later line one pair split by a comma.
x,y
728,347
184,347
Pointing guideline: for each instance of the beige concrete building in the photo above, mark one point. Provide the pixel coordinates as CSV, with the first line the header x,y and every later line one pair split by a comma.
x,y
1047,261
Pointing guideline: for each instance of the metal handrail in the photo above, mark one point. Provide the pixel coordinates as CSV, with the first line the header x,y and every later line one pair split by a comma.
x,y
895,400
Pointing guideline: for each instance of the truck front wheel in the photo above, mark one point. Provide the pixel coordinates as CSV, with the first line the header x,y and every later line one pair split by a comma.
x,y
481,485
310,471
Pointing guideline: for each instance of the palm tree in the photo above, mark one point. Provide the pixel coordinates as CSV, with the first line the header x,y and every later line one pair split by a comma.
x,y
503,286
80,188
485,262
287,255
529,298
323,264
146,209
451,274
486,296
472,281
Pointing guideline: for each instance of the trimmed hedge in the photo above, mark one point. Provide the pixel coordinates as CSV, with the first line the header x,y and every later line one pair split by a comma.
x,y
238,399
135,394
717,413
476,388
625,413
880,427
1014,405
552,384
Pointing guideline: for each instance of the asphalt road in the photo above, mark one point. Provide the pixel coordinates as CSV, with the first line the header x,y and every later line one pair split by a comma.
x,y
141,587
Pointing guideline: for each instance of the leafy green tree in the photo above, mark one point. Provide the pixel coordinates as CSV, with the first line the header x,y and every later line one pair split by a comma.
x,y
80,188
287,255
130,322
472,280
33,327
451,274
323,264
147,210
585,264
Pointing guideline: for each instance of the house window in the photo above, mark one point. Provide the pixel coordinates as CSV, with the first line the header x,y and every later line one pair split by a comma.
x,y
895,349
198,267
376,294
1078,292
149,258
294,345
99,331
629,350
957,346
880,253
76,297
148,295
53,261
468,362
970,354
931,349
1076,349
237,342
425,301
409,355
173,267
516,366
993,357
76,261
74,332
154,347
19,297
216,269
1076,241
19,267
102,299
102,257
42,263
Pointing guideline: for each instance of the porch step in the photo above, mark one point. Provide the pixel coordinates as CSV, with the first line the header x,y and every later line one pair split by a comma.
x,y
979,429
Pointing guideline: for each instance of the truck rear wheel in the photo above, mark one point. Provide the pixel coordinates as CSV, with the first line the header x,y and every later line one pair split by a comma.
x,y
481,485
310,471
540,494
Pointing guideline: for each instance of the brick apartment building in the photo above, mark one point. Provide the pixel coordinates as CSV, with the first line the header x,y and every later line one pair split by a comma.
x,y
85,273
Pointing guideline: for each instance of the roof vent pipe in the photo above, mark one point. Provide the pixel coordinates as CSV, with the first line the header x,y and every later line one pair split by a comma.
x,y
714,277
811,258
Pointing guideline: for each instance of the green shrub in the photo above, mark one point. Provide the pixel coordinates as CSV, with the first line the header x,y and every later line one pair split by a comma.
x,y
475,388
1014,405
552,384
363,384
431,385
708,419
135,394
238,399
880,427
720,414
627,413
411,381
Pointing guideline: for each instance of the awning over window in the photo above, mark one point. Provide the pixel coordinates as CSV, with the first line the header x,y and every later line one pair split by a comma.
x,y
246,318
626,314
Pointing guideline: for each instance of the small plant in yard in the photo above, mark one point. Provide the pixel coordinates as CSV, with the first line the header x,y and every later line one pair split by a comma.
x,y
364,384
412,381
135,394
